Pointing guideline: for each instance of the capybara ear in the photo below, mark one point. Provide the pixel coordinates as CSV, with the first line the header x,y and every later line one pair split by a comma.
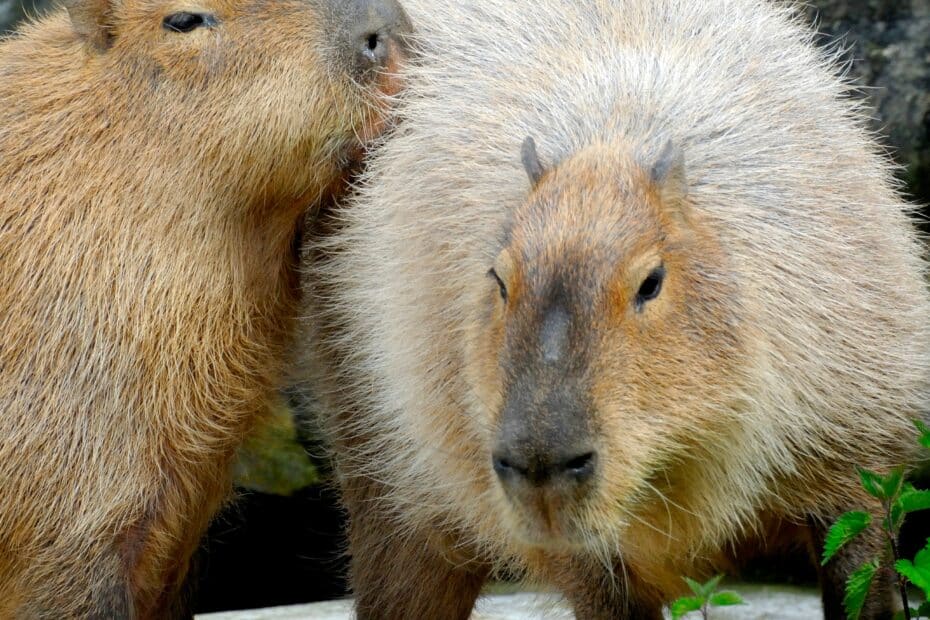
x,y
531,161
669,166
668,173
91,20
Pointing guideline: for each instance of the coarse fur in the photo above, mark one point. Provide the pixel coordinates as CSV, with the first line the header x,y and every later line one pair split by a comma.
x,y
152,184
790,341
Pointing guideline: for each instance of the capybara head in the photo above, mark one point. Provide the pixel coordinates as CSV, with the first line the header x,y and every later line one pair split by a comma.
x,y
292,86
607,340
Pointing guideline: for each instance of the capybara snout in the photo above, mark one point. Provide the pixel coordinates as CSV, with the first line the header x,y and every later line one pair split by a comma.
x,y
377,31
546,443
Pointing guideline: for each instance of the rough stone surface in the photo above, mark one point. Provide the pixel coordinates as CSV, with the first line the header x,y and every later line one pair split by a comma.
x,y
12,11
888,45
762,603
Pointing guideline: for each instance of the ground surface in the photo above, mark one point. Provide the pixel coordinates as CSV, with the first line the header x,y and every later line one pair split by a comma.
x,y
763,603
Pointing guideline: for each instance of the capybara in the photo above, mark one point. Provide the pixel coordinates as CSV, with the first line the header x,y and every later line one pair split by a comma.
x,y
157,159
628,286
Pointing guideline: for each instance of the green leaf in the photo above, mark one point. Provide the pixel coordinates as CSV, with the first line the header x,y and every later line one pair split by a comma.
x,y
923,610
871,482
847,527
918,571
696,587
891,484
912,500
897,510
725,599
857,589
686,605
914,574
710,585
924,431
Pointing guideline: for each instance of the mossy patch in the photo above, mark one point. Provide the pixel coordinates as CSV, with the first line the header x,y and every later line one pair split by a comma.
x,y
271,460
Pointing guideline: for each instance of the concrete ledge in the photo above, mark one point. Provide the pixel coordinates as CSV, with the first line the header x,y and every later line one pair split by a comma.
x,y
763,603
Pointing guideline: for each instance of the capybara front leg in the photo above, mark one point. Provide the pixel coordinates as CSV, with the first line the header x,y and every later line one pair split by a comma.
x,y
401,573
599,594
100,591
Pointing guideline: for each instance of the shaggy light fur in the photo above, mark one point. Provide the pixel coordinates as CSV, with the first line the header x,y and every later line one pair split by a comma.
x,y
151,186
791,341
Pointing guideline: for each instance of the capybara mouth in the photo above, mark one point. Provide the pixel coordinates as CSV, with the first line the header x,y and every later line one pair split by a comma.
x,y
545,518
386,85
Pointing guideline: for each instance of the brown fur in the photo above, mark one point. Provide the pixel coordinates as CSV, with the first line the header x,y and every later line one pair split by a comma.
x,y
151,185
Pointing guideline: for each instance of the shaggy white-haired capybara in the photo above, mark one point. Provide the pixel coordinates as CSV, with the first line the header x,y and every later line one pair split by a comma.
x,y
630,285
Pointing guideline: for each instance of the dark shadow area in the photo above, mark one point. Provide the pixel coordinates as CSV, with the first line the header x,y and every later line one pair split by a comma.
x,y
266,550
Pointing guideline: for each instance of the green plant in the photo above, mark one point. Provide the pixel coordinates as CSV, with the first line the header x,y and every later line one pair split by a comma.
x,y
704,597
897,498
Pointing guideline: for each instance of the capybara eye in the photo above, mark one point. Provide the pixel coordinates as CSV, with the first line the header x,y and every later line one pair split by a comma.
x,y
500,283
185,22
651,286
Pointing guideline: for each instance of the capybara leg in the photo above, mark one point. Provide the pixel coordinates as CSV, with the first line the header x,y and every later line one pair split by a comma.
x,y
100,591
114,600
868,546
398,574
601,595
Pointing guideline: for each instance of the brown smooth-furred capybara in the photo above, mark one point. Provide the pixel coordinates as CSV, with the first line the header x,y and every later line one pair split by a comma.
x,y
156,159
669,324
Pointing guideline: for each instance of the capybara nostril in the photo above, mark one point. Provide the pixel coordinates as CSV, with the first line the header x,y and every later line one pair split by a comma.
x,y
373,47
380,31
581,468
503,467
543,467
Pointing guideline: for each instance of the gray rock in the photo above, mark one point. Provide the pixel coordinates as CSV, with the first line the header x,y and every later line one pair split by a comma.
x,y
889,52
13,11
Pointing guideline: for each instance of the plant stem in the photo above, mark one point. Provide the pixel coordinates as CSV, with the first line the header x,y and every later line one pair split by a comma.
x,y
893,541
704,610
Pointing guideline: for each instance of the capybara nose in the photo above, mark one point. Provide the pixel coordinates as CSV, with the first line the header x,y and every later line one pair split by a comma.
x,y
542,468
381,31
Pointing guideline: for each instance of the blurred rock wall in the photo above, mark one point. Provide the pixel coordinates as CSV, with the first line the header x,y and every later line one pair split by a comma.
x,y
12,11
889,48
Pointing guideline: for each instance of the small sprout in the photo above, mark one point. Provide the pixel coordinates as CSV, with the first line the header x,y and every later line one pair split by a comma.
x,y
725,599
898,498
685,605
910,500
882,487
704,598
871,482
